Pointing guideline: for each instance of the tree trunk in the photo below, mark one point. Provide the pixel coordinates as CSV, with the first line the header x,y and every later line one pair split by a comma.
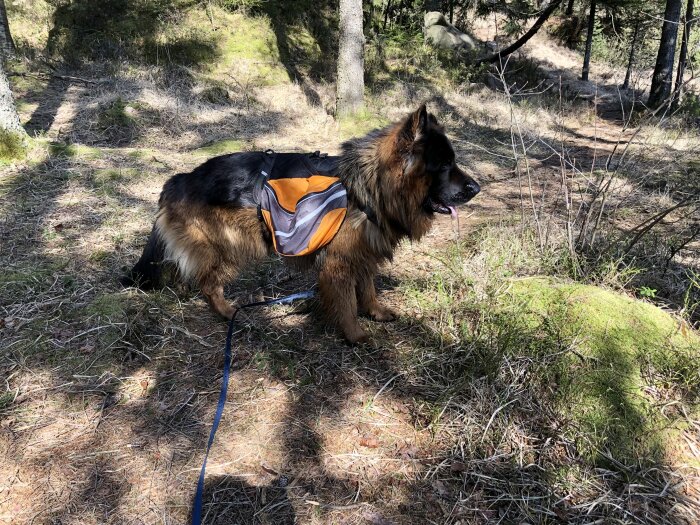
x,y
569,8
589,42
7,45
682,56
663,71
630,62
523,39
9,119
351,84
387,9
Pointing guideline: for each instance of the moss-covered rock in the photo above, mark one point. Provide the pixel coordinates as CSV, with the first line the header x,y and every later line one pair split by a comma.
x,y
617,356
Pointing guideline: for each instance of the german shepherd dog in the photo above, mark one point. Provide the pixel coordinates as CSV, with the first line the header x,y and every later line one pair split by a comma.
x,y
397,179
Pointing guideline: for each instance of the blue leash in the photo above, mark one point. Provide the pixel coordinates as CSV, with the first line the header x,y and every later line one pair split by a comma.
x,y
197,505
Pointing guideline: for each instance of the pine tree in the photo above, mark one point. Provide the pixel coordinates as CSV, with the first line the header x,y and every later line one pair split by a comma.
x,y
350,84
683,55
589,41
663,71
7,45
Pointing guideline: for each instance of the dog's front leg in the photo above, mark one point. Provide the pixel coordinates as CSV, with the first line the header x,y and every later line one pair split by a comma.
x,y
367,299
337,293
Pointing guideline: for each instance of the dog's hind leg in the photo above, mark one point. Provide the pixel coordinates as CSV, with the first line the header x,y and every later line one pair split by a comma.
x,y
234,241
214,293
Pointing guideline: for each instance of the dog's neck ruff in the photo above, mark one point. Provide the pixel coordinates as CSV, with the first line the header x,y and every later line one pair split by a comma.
x,y
301,201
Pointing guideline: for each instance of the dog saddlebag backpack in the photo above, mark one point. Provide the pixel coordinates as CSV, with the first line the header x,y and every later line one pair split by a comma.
x,y
302,202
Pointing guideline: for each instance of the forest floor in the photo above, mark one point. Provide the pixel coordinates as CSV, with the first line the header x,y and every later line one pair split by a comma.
x,y
451,414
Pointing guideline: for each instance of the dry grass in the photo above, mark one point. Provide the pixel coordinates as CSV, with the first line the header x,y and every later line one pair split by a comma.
x,y
448,417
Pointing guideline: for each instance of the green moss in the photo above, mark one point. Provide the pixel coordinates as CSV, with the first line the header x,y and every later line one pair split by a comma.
x,y
61,149
23,84
108,306
360,123
141,153
613,350
115,114
603,362
222,147
40,273
13,146
249,50
26,108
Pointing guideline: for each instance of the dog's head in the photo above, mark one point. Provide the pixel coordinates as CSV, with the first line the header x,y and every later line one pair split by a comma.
x,y
430,165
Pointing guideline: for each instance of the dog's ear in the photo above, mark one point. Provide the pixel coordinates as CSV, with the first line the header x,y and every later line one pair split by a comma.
x,y
417,124
420,121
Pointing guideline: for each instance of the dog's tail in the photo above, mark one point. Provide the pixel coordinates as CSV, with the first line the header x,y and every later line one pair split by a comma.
x,y
147,273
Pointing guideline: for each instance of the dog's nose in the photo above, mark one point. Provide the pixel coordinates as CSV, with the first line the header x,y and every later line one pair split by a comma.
x,y
471,190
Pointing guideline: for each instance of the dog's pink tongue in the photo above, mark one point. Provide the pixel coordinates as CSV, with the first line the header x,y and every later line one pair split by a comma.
x,y
453,212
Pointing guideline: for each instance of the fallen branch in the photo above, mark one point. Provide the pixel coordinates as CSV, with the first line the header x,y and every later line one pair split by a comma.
x,y
496,57
648,224
67,78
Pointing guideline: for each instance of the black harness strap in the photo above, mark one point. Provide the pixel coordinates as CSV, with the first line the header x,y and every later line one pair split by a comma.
x,y
265,172
369,212
372,217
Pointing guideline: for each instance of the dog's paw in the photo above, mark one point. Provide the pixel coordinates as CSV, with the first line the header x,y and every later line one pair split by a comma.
x,y
357,338
382,314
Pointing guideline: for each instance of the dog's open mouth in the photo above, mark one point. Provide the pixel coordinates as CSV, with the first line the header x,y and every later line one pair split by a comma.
x,y
440,207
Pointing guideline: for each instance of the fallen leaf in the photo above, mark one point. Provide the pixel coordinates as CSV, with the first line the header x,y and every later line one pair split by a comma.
x,y
269,470
440,488
408,452
458,466
369,442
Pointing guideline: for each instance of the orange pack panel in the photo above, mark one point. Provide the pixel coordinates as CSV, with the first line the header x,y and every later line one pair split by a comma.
x,y
289,191
327,229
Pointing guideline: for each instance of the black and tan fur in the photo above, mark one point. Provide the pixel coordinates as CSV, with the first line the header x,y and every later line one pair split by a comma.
x,y
396,179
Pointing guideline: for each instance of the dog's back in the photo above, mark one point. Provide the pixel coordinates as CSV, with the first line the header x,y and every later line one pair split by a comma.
x,y
207,197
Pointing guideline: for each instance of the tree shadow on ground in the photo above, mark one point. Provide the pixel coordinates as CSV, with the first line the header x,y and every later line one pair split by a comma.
x,y
481,481
148,382
60,290
50,101
306,62
232,500
528,76
120,29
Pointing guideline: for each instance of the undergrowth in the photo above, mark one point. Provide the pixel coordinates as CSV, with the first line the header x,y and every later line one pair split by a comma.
x,y
13,146
592,378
